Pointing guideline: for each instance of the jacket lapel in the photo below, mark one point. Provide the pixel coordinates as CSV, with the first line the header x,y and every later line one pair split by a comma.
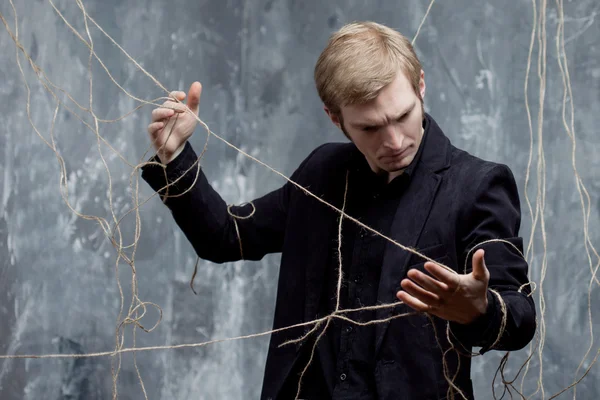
x,y
406,229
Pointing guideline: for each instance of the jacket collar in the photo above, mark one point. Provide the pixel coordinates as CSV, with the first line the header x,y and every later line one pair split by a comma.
x,y
436,147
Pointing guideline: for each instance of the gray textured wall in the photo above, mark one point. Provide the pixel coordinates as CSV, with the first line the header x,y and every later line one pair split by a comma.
x,y
58,290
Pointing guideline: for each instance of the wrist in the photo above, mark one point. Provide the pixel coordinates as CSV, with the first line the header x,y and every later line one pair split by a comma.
x,y
168,159
483,309
484,305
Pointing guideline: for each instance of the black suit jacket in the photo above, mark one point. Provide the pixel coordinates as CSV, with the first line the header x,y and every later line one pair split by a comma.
x,y
454,201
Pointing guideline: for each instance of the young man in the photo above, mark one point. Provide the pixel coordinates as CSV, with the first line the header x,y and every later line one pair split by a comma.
x,y
407,182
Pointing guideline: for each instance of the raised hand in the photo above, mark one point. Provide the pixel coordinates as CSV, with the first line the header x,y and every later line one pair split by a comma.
x,y
173,123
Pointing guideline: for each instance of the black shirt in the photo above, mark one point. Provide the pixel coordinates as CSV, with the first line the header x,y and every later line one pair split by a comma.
x,y
344,366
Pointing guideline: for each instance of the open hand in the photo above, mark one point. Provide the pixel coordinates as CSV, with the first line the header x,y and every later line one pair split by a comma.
x,y
454,297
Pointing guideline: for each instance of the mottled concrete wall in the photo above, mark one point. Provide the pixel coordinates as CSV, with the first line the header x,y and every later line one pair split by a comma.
x,y
58,290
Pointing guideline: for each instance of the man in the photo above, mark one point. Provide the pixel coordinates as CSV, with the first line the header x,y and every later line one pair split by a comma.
x,y
406,181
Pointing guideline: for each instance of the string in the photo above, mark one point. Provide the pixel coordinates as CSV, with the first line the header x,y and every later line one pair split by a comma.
x,y
581,189
422,22
338,291
90,46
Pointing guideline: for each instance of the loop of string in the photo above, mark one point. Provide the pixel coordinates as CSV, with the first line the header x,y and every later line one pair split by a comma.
x,y
237,231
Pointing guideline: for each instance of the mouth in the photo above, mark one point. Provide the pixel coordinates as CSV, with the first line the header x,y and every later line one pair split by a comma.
x,y
397,154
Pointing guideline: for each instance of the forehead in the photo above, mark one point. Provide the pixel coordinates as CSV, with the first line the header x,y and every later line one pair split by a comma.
x,y
392,99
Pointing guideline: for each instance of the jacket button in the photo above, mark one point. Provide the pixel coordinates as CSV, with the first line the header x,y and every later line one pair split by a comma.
x,y
343,377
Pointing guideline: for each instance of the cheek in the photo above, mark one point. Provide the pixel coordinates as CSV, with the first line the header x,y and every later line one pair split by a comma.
x,y
415,129
374,146
366,143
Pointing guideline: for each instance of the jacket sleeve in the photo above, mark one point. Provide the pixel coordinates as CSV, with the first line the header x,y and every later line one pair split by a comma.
x,y
203,216
494,213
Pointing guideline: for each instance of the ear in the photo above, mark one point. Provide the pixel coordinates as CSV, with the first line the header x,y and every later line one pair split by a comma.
x,y
333,117
422,85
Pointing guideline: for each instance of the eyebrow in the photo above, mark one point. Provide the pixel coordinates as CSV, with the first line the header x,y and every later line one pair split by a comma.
x,y
375,123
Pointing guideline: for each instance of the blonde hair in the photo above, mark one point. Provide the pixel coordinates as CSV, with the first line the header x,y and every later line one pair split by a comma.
x,y
360,59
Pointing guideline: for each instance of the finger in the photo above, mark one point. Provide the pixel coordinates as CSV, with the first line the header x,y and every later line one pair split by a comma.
x,y
444,275
177,94
161,113
154,127
418,292
193,101
177,107
413,303
480,271
427,282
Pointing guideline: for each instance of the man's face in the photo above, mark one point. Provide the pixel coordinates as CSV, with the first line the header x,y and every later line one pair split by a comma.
x,y
388,129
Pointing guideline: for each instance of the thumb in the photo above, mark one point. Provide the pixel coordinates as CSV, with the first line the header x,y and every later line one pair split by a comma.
x,y
193,101
480,271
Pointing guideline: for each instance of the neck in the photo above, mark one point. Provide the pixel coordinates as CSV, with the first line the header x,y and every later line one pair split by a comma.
x,y
392,175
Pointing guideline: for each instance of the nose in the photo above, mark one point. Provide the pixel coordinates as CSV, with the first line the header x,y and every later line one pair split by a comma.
x,y
392,138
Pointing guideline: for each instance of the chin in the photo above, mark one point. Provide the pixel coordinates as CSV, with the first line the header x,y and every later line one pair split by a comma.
x,y
399,165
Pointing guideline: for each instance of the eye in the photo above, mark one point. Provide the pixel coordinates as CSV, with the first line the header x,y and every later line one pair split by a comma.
x,y
402,118
369,129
